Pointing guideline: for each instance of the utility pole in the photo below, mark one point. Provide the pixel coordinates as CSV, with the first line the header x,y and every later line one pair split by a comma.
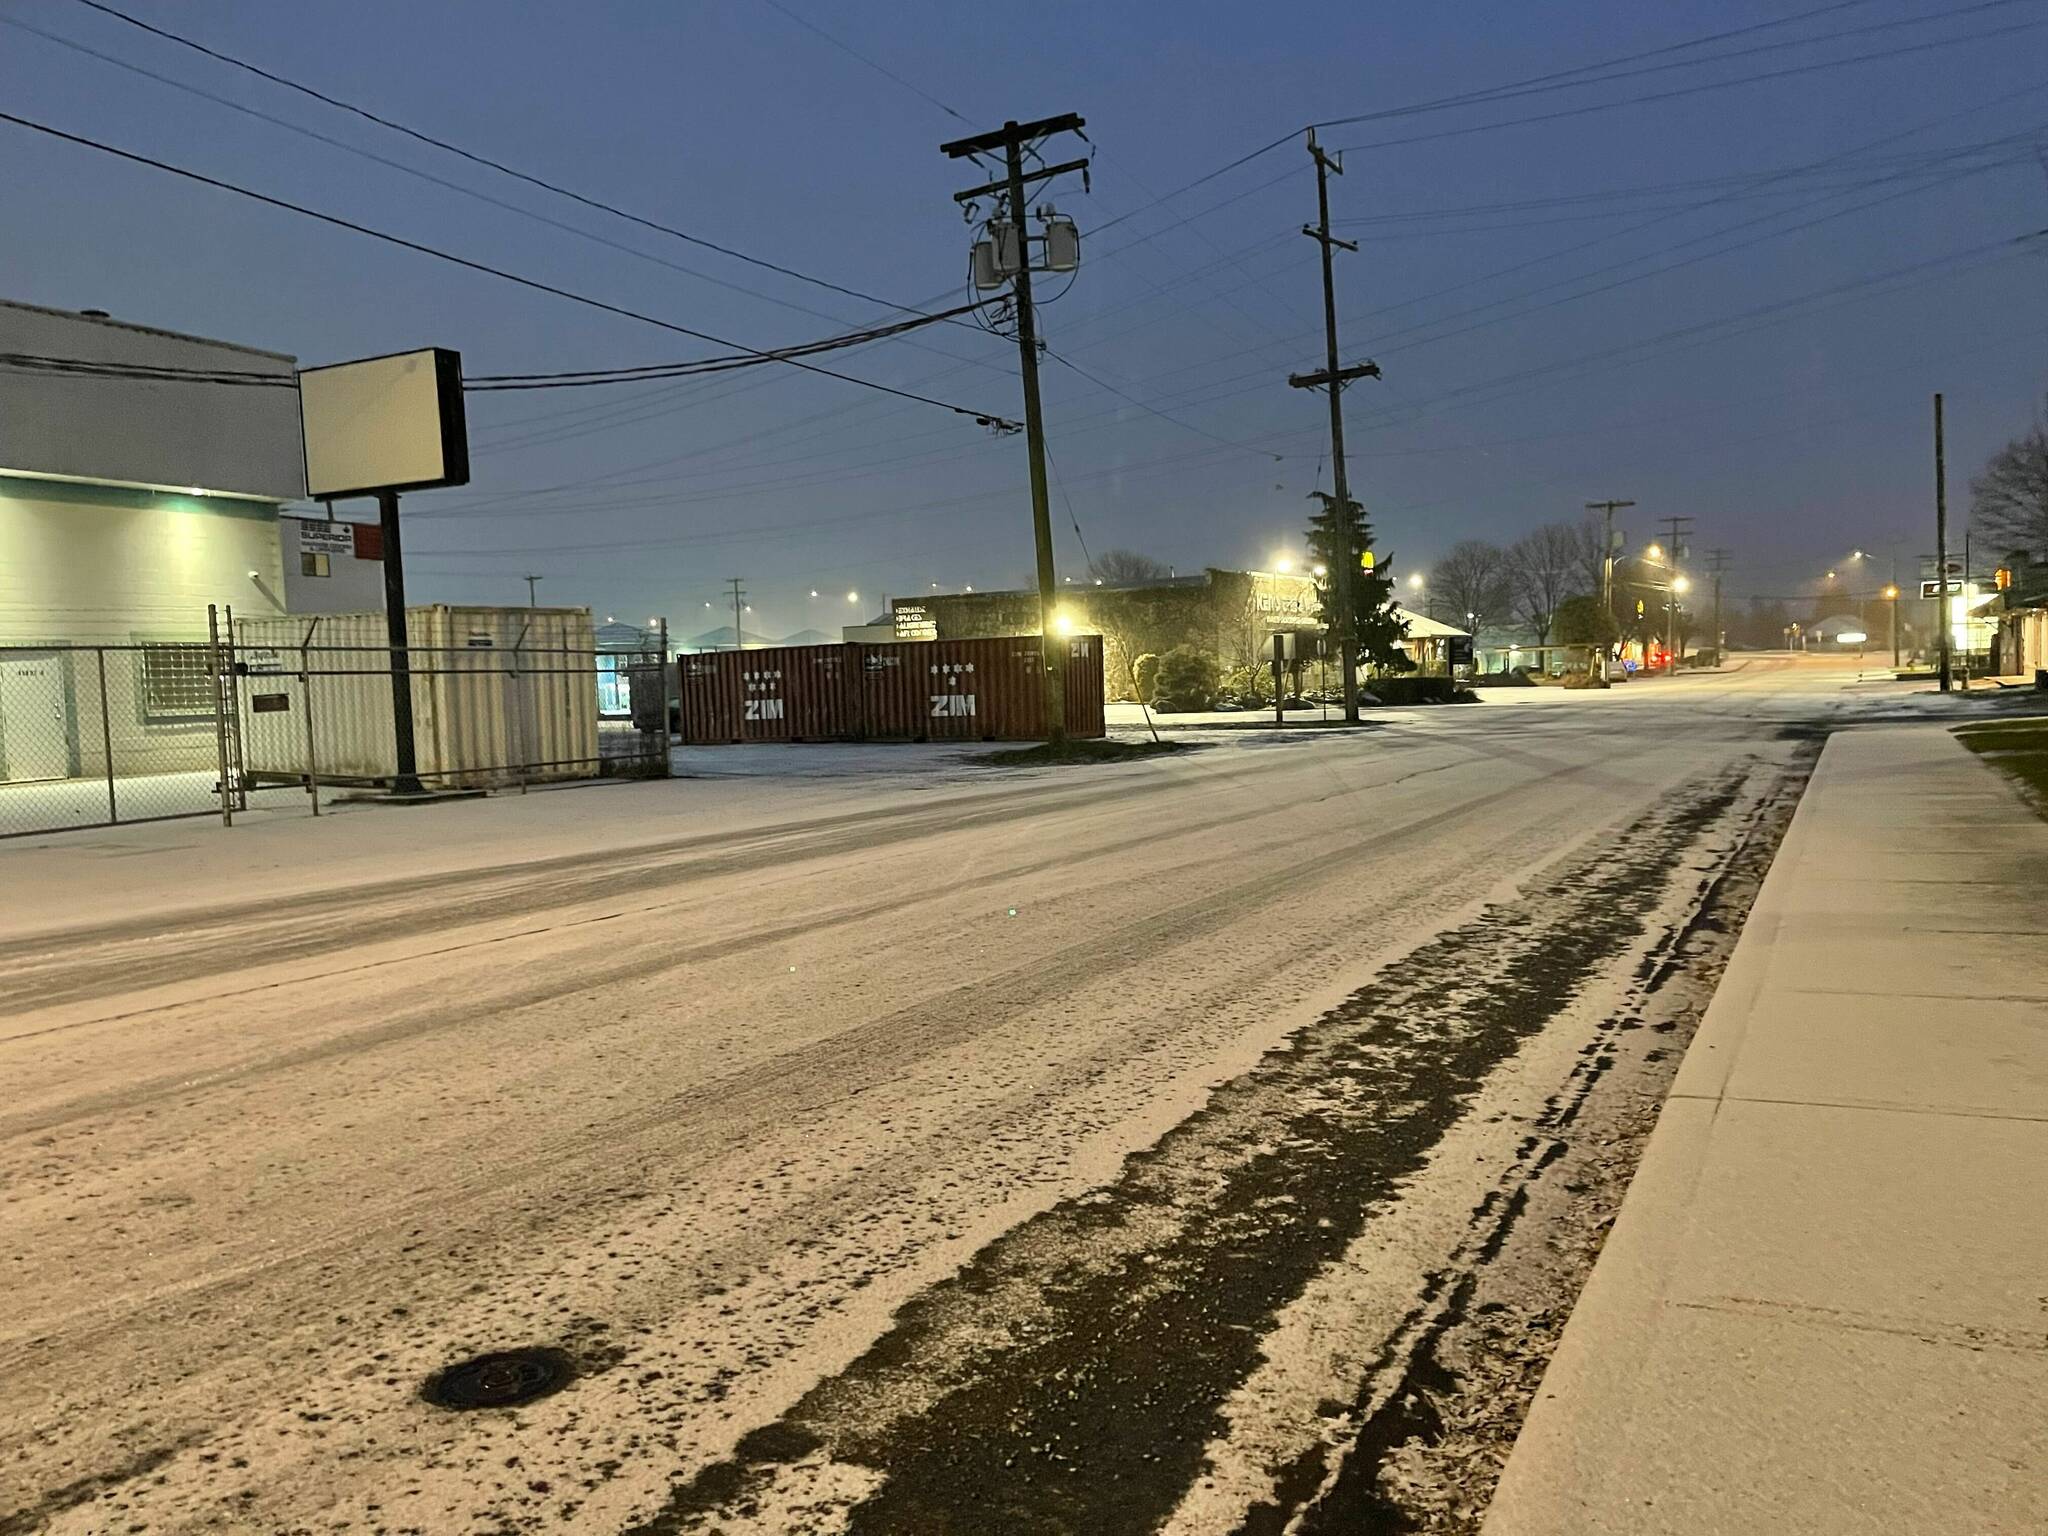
x,y
532,598
1718,559
1941,607
739,633
1607,509
1334,378
1893,592
1676,533
1013,139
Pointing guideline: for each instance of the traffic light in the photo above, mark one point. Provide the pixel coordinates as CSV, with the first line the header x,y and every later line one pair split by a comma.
x,y
1639,607
2002,579
1366,560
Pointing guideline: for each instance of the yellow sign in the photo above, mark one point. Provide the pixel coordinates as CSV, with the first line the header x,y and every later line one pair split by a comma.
x,y
1365,561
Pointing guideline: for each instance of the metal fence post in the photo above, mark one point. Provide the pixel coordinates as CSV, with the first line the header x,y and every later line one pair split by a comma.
x,y
661,678
524,751
107,735
220,729
234,717
306,691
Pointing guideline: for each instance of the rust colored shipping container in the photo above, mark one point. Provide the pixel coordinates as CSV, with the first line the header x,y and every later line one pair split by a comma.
x,y
916,690
1085,690
782,693
975,690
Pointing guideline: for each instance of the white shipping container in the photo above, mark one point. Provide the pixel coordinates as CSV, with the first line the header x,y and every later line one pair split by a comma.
x,y
500,695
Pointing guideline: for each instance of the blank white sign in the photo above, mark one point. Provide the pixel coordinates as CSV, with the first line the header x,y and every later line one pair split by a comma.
x,y
384,423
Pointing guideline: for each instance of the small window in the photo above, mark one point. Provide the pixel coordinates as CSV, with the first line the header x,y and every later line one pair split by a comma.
x,y
312,564
177,683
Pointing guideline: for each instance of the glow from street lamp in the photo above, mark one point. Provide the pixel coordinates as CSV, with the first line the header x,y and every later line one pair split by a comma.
x,y
1415,582
1681,584
814,591
853,597
1319,572
1063,622
1831,575
1892,593
1283,564
1653,552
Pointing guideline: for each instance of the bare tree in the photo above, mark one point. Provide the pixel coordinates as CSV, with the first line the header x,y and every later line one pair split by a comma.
x,y
1473,581
1545,566
1589,550
2009,500
1127,565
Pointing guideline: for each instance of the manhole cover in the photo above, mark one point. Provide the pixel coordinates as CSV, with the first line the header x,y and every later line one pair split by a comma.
x,y
499,1380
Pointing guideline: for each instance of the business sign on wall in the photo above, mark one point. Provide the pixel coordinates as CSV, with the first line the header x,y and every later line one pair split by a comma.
x,y
327,538
915,622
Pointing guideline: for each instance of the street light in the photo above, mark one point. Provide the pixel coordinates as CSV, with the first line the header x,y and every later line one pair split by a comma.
x,y
1283,564
814,593
1653,552
1319,572
1415,582
1681,584
853,597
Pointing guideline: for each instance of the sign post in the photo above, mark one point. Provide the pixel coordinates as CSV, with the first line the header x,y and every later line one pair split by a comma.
x,y
1283,652
374,428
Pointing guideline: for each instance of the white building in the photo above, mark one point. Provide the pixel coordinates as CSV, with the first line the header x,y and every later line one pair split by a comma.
x,y
132,495
129,502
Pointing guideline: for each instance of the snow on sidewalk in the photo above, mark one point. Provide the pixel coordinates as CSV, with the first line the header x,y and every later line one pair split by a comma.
x,y
1824,1307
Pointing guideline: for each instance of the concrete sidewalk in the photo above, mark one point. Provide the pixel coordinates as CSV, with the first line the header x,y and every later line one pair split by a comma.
x,y
1824,1307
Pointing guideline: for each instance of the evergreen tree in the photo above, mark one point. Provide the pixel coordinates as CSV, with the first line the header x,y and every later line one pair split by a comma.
x,y
1376,627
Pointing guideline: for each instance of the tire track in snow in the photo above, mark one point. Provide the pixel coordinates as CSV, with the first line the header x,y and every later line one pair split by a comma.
x,y
1068,1379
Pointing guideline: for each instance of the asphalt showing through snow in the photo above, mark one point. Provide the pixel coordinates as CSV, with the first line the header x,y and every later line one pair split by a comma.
x,y
972,1162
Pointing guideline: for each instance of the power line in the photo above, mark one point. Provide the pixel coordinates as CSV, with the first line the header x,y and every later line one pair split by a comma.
x,y
984,417
1467,98
1150,410
1535,88
487,161
1694,90
880,69
476,384
581,378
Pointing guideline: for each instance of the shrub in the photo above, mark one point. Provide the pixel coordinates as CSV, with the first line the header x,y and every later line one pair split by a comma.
x,y
1145,673
1415,690
1187,679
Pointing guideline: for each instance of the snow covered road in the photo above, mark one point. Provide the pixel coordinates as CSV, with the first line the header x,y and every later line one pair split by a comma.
x,y
903,1145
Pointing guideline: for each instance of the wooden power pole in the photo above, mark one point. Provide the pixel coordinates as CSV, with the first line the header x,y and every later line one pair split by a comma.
x,y
1013,139
1607,509
1942,610
1334,378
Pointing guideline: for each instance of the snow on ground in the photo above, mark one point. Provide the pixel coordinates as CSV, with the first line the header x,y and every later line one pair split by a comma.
x,y
742,1089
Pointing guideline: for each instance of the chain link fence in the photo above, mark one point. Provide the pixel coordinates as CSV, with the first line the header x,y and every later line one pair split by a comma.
x,y
319,717
269,710
96,734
